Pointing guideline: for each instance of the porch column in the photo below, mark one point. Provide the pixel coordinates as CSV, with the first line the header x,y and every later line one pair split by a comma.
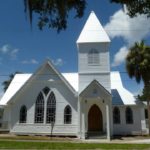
x,y
86,118
83,119
79,118
108,121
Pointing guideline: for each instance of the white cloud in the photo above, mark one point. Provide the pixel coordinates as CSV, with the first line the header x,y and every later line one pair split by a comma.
x,y
120,56
130,29
13,53
58,62
5,49
31,61
9,50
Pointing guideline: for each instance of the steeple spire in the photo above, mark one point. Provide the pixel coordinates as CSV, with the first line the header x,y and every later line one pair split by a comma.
x,y
93,31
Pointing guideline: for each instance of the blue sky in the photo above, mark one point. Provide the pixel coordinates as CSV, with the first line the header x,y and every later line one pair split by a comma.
x,y
23,49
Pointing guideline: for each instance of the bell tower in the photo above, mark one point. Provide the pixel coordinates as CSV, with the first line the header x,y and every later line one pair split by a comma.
x,y
93,54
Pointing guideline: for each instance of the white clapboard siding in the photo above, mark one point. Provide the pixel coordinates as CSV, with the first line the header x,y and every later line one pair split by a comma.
x,y
28,97
103,64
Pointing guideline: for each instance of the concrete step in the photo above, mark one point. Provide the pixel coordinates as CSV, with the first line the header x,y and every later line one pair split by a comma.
x,y
96,135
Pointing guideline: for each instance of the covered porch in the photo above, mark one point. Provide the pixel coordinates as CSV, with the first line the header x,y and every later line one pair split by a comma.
x,y
95,117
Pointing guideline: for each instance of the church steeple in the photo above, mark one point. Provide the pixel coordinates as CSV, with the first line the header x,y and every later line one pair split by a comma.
x,y
93,31
93,54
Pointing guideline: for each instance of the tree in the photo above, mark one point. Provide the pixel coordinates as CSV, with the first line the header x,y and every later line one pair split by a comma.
x,y
54,13
135,7
145,96
138,66
7,82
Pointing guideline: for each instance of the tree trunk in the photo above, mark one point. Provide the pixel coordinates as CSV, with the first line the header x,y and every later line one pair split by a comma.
x,y
148,109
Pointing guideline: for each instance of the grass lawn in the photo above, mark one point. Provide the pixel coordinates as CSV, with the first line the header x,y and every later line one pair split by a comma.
x,y
67,145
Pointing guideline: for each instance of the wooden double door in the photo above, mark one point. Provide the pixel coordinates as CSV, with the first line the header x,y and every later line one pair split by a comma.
x,y
95,119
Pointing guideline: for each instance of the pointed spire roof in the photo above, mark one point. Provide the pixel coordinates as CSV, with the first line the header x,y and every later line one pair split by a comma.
x,y
93,31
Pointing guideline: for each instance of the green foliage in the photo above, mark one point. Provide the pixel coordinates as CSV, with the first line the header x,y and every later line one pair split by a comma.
x,y
135,7
54,13
145,94
138,66
138,62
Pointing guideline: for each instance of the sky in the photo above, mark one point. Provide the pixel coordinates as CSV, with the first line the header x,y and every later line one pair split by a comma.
x,y
24,49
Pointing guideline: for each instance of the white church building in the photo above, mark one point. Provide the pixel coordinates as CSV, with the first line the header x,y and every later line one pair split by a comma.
x,y
91,102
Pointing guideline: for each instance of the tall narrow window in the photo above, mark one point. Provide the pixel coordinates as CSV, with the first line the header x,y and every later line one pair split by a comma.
x,y
39,109
116,115
146,114
129,115
51,108
93,57
67,115
23,114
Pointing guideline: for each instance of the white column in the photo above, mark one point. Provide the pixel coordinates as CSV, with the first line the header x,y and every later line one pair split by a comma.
x,y
143,120
79,118
108,121
79,131
83,119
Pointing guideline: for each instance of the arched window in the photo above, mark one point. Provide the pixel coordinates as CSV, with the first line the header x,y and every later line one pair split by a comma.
x,y
46,90
67,115
51,108
116,115
39,109
93,57
23,114
129,115
146,113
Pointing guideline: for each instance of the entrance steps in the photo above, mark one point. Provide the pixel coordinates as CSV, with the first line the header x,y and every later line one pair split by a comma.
x,y
96,135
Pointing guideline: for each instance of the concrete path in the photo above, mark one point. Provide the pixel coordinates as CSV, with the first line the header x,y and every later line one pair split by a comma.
x,y
127,141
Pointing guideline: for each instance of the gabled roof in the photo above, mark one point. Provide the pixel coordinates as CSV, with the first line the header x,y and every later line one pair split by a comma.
x,y
120,95
126,96
61,76
72,78
116,99
93,31
20,80
95,83
16,84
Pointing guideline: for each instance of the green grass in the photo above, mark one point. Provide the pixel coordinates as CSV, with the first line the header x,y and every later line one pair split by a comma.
x,y
65,145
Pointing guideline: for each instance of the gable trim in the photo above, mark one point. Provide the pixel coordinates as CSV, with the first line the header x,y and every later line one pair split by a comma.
x,y
62,77
95,82
49,63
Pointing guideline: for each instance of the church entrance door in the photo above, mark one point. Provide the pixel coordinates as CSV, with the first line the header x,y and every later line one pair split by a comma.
x,y
95,120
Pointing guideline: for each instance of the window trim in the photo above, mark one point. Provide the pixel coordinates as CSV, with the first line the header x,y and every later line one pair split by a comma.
x,y
146,113
51,109
93,57
23,114
116,115
128,114
67,116
39,106
46,90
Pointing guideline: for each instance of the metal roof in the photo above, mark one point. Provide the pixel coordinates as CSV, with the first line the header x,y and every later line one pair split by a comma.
x,y
93,31
120,95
